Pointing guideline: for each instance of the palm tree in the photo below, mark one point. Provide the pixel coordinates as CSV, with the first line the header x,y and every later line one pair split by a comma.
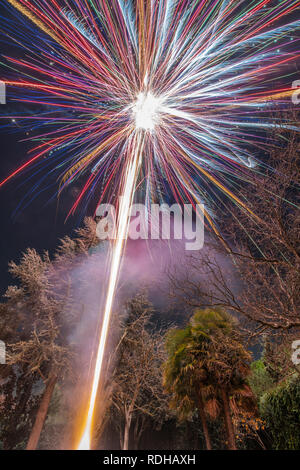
x,y
207,368
184,378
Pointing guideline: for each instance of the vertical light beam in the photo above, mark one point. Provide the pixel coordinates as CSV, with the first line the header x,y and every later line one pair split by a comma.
x,y
130,178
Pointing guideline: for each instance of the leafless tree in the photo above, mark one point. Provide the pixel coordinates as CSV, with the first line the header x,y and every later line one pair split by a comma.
x,y
257,276
138,397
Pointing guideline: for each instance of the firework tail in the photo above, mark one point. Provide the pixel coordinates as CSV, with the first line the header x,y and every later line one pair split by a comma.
x,y
118,247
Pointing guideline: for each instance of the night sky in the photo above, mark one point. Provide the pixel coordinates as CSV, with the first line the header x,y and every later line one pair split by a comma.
x,y
42,223
39,226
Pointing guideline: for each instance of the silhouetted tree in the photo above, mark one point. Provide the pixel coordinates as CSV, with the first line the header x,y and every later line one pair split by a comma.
x,y
138,397
257,276
43,309
207,368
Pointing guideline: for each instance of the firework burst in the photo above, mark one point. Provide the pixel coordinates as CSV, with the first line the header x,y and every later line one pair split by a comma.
x,y
195,76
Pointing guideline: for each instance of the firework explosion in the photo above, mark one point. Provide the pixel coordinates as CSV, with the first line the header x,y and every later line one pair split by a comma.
x,y
170,98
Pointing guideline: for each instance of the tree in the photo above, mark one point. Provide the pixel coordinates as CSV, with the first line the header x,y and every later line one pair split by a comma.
x,y
207,368
43,308
275,381
18,403
257,276
137,397
280,408
183,377
42,352
260,380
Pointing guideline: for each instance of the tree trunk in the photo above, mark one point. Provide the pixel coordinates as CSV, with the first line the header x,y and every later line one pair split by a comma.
x,y
126,433
41,414
139,428
228,420
12,437
203,420
128,419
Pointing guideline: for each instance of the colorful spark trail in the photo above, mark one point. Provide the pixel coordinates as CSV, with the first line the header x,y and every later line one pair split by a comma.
x,y
171,98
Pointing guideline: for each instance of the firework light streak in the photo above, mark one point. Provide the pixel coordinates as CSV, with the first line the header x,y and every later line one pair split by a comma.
x,y
168,98
121,236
